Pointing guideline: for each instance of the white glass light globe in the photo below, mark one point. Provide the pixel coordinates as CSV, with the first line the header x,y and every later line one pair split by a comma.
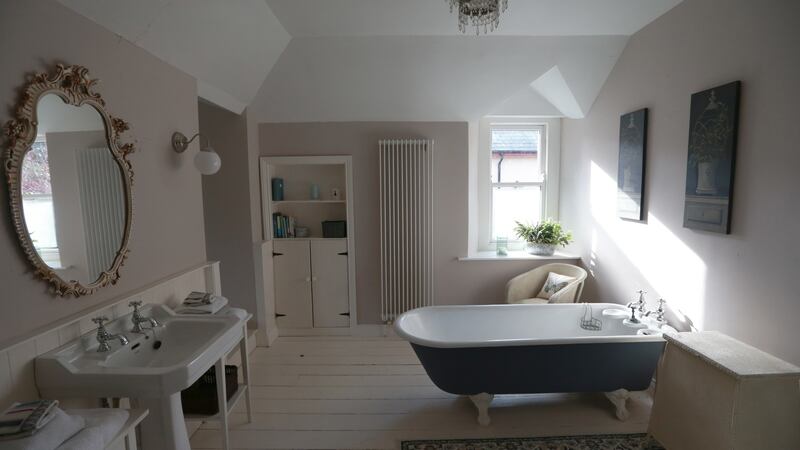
x,y
207,161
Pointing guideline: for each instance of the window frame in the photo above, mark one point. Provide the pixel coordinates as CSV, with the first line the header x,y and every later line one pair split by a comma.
x,y
550,129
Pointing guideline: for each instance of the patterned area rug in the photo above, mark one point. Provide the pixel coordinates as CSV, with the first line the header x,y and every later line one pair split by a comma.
x,y
592,442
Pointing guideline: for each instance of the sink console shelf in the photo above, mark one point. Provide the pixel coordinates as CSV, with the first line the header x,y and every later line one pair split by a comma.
x,y
243,391
152,369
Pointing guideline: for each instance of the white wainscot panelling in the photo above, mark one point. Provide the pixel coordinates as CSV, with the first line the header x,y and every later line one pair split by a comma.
x,y
17,382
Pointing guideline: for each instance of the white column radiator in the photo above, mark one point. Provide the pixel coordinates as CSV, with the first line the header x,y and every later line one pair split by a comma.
x,y
406,174
103,206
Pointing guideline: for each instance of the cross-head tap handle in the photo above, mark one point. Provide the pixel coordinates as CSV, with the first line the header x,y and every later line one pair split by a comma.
x,y
100,320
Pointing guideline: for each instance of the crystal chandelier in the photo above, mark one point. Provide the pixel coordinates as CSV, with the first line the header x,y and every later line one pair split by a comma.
x,y
478,13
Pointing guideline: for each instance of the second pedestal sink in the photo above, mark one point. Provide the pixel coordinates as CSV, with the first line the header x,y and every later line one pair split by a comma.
x,y
151,370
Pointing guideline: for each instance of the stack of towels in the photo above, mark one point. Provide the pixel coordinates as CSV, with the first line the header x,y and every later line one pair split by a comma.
x,y
42,425
202,303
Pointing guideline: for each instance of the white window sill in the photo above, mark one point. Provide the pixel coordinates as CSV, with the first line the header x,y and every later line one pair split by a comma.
x,y
518,256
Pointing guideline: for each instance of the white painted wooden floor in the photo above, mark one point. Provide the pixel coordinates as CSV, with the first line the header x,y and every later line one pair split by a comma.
x,y
371,393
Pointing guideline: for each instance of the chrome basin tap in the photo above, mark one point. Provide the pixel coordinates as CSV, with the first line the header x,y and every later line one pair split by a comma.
x,y
138,319
103,336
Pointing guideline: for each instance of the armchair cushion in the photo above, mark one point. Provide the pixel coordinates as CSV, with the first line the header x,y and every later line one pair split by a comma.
x,y
527,285
554,283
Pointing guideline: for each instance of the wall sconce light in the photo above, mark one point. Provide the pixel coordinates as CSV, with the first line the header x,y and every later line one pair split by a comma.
x,y
207,161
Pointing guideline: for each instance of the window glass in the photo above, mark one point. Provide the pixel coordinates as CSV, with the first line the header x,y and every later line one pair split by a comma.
x,y
515,155
514,203
37,201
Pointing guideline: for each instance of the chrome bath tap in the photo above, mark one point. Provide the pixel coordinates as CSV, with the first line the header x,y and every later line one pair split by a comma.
x,y
641,303
103,336
659,313
138,319
637,306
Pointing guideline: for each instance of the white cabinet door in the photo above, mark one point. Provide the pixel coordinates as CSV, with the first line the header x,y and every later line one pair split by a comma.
x,y
329,276
292,284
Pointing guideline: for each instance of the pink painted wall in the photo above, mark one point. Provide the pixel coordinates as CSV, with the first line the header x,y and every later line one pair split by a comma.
x,y
226,202
156,99
456,282
742,284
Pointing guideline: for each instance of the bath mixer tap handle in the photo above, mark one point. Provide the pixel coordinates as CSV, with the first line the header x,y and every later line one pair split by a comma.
x,y
641,302
100,321
660,311
633,318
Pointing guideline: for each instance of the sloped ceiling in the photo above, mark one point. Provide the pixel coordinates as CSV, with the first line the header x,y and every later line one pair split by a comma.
x,y
424,78
228,46
334,60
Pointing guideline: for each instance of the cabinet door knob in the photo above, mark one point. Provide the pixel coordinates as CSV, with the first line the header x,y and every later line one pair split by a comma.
x,y
308,279
313,278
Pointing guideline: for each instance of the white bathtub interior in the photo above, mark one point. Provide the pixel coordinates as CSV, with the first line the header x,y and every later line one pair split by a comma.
x,y
518,324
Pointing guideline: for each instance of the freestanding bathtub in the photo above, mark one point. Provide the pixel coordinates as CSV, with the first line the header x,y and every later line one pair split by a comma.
x,y
482,351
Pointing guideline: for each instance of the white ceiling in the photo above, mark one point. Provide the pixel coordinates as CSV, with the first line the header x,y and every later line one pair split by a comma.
x,y
316,18
229,46
388,78
306,60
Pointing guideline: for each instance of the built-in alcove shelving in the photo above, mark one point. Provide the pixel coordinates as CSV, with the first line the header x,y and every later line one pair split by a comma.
x,y
299,174
314,275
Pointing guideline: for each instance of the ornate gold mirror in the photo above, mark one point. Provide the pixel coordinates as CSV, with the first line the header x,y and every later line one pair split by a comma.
x,y
69,181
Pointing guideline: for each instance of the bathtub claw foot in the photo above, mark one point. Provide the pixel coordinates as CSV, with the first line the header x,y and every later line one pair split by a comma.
x,y
620,399
482,402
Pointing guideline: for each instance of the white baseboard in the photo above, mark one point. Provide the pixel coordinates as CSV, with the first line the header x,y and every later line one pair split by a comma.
x,y
266,338
271,336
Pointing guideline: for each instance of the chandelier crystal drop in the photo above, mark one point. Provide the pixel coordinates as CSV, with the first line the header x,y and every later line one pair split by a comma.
x,y
478,13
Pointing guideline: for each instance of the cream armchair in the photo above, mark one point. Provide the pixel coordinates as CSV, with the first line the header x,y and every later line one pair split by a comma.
x,y
524,288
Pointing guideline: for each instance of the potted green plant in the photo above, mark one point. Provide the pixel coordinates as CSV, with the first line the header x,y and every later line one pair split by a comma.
x,y
544,237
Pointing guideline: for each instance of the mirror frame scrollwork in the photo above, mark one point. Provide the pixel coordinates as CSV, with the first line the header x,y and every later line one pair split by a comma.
x,y
73,85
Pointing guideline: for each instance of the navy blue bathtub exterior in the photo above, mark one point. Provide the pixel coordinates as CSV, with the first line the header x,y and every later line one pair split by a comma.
x,y
534,369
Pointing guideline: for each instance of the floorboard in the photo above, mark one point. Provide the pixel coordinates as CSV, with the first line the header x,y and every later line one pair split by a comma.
x,y
371,393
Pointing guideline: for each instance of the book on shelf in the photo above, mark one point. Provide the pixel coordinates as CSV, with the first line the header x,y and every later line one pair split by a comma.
x,y
283,226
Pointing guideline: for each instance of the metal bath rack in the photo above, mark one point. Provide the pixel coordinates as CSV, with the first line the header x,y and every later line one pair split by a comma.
x,y
588,321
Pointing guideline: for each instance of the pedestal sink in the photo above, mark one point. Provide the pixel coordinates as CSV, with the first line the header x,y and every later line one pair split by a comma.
x,y
151,370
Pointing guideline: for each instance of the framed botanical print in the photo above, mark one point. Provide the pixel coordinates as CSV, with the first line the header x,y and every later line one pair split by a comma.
x,y
713,126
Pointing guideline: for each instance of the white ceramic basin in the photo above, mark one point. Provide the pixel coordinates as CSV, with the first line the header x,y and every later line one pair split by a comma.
x,y
155,364
151,370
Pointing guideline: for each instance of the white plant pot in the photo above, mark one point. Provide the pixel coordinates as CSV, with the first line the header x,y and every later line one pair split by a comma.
x,y
540,249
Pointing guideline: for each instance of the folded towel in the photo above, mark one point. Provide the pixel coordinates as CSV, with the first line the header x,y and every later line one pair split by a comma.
x,y
102,425
197,298
24,419
87,439
109,420
236,312
59,429
217,303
